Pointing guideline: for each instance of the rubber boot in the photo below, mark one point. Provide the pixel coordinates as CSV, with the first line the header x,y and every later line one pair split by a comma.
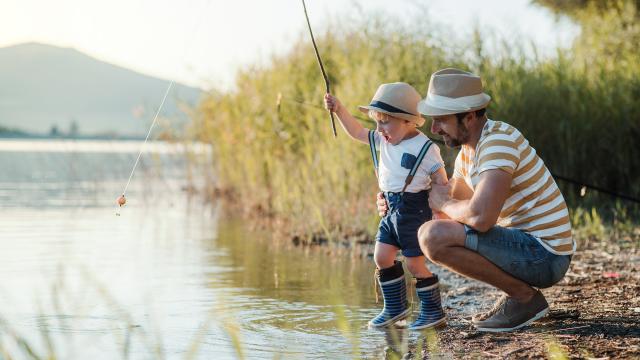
x,y
394,293
431,313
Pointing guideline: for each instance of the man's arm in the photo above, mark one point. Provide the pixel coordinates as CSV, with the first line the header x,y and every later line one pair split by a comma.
x,y
481,211
460,190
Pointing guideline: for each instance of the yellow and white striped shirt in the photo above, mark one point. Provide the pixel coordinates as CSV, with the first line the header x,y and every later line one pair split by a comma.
x,y
535,204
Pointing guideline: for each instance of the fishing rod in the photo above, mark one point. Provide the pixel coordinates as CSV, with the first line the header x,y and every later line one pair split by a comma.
x,y
324,74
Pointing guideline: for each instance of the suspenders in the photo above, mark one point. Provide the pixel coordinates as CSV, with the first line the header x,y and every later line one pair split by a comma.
x,y
372,148
414,169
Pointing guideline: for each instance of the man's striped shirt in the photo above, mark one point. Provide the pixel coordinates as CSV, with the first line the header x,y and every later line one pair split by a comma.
x,y
535,204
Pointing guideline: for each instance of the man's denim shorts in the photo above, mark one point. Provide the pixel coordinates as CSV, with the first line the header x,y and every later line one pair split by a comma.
x,y
519,254
407,212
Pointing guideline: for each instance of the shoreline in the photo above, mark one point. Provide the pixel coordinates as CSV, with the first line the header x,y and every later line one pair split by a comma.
x,y
583,321
354,242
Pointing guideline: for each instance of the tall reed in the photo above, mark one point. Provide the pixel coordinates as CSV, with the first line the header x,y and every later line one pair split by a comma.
x,y
275,151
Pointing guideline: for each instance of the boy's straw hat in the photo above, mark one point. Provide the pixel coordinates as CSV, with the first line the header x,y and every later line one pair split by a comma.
x,y
396,99
453,91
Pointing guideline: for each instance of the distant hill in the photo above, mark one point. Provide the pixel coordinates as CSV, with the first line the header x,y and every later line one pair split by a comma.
x,y
46,89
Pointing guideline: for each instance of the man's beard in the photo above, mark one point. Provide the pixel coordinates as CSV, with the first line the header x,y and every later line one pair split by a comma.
x,y
463,137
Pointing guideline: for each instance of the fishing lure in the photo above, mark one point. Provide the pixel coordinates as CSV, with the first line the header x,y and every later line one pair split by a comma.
x,y
121,200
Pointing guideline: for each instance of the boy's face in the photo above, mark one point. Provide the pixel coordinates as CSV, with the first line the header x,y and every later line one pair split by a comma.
x,y
395,130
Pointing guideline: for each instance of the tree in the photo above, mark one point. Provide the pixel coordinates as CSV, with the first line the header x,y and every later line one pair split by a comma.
x,y
574,7
54,132
610,30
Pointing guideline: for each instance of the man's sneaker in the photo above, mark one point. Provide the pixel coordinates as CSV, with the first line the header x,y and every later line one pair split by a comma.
x,y
509,314
487,314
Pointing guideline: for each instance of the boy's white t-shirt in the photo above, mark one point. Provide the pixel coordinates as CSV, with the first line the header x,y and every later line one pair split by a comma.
x,y
392,174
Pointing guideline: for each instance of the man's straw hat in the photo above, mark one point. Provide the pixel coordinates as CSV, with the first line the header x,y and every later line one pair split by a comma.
x,y
453,91
396,99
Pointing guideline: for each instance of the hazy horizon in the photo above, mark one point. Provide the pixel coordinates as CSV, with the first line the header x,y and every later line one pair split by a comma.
x,y
204,42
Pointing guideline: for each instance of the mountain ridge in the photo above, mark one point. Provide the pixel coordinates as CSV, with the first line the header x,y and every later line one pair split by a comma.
x,y
47,88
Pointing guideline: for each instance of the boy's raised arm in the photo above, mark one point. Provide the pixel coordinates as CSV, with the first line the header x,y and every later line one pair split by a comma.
x,y
349,123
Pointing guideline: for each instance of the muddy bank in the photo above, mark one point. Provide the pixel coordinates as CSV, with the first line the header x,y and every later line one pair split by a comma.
x,y
595,309
595,313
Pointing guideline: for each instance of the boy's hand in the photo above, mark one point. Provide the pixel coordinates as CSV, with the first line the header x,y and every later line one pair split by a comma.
x,y
331,103
381,203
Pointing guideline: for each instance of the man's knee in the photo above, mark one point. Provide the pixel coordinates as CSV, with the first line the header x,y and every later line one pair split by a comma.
x,y
424,231
435,238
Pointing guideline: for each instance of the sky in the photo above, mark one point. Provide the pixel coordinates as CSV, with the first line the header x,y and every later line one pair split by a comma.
x,y
203,42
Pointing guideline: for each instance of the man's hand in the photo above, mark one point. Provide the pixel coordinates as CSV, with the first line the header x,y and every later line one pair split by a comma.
x,y
381,203
439,195
482,210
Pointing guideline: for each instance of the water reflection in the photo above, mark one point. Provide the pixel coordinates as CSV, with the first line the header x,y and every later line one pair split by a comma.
x,y
166,279
304,301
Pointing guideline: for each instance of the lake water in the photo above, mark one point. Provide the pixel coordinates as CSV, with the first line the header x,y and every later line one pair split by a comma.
x,y
165,279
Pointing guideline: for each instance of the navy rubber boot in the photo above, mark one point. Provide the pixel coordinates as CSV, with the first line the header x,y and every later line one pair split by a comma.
x,y
394,293
431,313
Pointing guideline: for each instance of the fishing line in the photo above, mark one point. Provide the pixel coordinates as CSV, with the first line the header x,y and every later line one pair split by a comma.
x,y
144,143
121,200
315,106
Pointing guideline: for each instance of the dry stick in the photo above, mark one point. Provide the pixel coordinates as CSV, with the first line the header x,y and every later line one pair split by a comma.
x,y
490,354
572,328
517,350
324,74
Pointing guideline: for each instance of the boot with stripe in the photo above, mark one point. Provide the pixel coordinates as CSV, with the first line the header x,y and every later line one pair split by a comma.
x,y
394,293
431,313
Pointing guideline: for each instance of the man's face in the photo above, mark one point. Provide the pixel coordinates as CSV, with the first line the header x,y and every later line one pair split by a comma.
x,y
454,132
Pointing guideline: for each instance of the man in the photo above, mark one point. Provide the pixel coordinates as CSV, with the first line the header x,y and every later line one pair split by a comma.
x,y
508,223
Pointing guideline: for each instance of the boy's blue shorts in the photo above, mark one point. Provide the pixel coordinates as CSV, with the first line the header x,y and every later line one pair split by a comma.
x,y
405,216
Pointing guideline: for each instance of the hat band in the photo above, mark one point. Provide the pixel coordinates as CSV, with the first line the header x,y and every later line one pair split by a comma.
x,y
463,103
390,108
